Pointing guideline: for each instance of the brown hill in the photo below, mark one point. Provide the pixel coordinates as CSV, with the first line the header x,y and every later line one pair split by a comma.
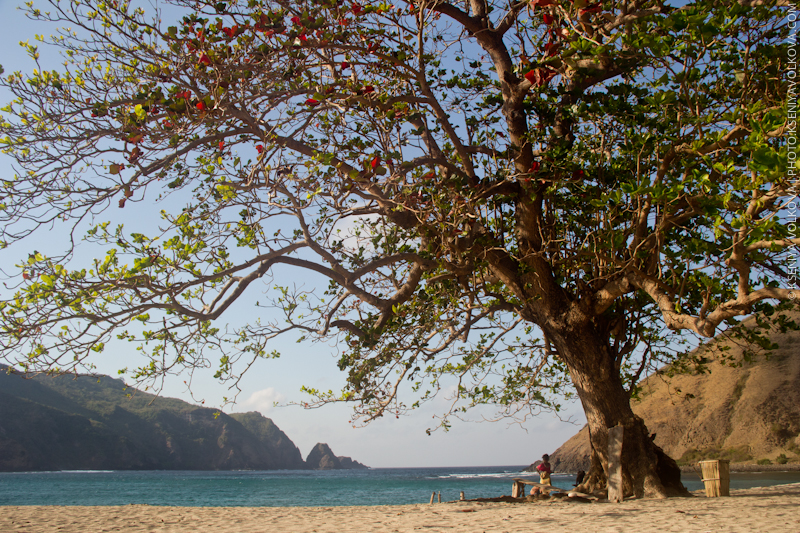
x,y
747,414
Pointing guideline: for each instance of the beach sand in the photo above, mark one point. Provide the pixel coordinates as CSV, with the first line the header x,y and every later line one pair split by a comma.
x,y
774,509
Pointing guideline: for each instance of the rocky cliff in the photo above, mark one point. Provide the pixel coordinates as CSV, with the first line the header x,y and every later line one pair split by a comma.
x,y
747,413
279,445
350,464
68,423
322,458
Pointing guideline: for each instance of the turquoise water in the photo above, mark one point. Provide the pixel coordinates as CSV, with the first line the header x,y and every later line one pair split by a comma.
x,y
379,486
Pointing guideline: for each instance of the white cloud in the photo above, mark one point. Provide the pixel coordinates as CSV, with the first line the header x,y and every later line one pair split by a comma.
x,y
261,401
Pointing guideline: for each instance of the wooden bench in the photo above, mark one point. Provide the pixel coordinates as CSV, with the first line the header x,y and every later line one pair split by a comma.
x,y
518,489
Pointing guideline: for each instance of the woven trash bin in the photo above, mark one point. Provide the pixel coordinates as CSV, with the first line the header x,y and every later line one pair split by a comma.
x,y
716,477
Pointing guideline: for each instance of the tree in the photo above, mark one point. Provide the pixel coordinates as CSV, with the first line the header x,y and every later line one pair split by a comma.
x,y
465,177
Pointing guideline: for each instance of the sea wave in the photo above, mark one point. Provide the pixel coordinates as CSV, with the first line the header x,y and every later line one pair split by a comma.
x,y
473,475
87,471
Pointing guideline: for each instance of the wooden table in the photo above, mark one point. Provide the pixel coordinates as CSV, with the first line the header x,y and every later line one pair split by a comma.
x,y
518,489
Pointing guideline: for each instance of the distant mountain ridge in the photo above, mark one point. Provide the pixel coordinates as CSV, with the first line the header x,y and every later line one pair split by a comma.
x,y
747,414
68,423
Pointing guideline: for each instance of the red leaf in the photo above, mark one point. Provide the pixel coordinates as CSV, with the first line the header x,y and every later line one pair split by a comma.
x,y
221,145
201,106
536,166
367,89
591,8
25,275
345,65
551,49
540,76
357,9
135,153
204,59
547,75
303,37
311,102
375,161
296,20
542,3
122,202
548,19
259,148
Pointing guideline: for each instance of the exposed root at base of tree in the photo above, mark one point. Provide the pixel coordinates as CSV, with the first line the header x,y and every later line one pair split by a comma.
x,y
648,472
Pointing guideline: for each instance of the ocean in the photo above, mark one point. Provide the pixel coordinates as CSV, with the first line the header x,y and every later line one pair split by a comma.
x,y
378,486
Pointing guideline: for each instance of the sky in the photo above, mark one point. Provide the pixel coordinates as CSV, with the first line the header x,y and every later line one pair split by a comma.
x,y
390,442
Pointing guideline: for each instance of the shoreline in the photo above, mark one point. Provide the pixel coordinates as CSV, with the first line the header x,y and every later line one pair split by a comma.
x,y
771,508
737,468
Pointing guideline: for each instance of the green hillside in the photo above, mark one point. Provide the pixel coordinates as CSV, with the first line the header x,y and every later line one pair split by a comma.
x,y
69,423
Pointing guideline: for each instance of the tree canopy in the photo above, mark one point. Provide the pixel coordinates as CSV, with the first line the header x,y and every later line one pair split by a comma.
x,y
518,194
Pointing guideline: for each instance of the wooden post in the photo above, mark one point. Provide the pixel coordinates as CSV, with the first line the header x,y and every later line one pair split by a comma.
x,y
461,496
615,463
716,477
440,497
433,495
515,489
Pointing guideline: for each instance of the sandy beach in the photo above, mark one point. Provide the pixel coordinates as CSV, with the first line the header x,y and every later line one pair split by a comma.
x,y
774,508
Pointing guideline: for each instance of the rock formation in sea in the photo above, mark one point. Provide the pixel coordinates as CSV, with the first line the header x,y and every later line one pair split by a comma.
x,y
351,464
321,457
95,423
748,412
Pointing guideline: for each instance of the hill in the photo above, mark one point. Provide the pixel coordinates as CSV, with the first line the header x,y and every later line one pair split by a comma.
x,y
322,458
749,414
76,423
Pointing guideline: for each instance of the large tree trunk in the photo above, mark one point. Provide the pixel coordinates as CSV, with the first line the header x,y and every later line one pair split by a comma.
x,y
646,470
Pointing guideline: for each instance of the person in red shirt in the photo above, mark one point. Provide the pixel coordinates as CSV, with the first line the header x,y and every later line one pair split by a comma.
x,y
544,470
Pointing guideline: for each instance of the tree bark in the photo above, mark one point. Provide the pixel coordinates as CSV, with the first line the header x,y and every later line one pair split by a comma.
x,y
646,470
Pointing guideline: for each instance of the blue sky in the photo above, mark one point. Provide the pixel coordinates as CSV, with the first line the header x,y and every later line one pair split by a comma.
x,y
386,443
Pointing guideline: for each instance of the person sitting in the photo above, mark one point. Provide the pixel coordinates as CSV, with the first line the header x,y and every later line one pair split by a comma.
x,y
544,470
